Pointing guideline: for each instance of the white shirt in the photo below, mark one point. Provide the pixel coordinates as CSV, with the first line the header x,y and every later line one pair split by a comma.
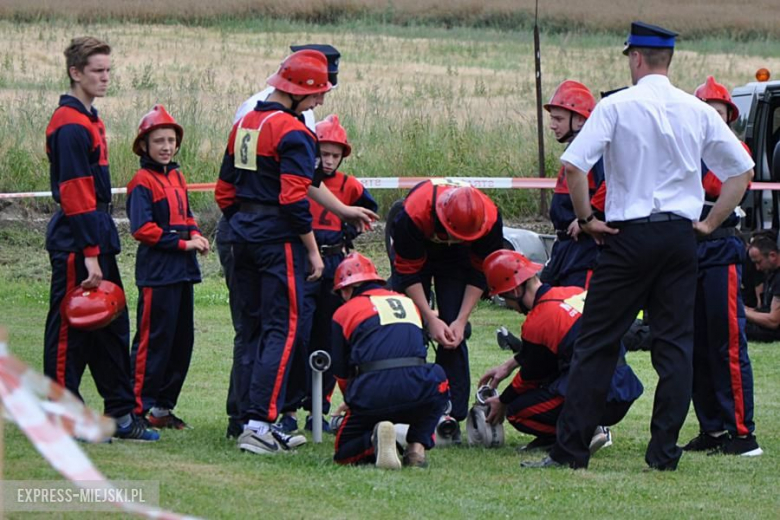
x,y
653,137
250,104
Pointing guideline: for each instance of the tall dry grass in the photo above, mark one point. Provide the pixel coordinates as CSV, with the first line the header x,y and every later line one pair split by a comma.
x,y
694,18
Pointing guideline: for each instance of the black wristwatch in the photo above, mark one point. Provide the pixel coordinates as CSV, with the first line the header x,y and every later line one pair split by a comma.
x,y
585,221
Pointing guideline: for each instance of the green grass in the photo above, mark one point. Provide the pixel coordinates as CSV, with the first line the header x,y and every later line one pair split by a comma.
x,y
201,473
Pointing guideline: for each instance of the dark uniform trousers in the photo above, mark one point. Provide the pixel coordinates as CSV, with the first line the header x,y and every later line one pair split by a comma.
x,y
571,262
353,441
162,346
68,351
270,280
447,267
646,265
225,252
722,374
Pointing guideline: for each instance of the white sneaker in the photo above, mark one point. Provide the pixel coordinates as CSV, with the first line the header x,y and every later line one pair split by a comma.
x,y
264,444
385,449
287,442
602,437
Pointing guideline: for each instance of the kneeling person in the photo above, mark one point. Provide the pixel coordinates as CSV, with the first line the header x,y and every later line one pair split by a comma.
x,y
535,398
379,360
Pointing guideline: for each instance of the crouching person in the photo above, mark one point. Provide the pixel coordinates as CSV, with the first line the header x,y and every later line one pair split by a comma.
x,y
534,399
379,360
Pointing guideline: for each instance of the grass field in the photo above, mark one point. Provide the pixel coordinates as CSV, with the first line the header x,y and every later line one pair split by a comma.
x,y
202,473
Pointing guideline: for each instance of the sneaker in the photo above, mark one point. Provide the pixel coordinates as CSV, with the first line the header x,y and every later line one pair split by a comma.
x,y
234,428
544,443
169,421
413,459
602,437
287,424
385,449
136,431
325,425
706,442
287,442
742,446
264,444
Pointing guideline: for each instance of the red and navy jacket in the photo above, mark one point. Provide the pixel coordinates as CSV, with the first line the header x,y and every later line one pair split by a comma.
x,y
712,186
377,324
549,332
417,226
161,220
80,181
269,163
561,206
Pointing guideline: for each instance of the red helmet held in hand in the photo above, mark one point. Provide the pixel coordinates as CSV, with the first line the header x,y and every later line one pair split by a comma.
x,y
157,117
573,96
302,73
711,90
462,212
355,268
505,270
92,309
329,130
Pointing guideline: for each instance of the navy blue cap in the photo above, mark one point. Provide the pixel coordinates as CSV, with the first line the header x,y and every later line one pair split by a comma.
x,y
646,35
329,51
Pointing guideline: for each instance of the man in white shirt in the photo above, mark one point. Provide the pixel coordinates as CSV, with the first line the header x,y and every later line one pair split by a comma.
x,y
653,138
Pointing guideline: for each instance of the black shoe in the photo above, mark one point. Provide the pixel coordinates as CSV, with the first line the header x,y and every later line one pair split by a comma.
x,y
540,443
547,462
706,442
234,428
743,446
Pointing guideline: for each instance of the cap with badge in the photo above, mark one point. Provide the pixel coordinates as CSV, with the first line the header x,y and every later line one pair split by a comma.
x,y
649,36
331,54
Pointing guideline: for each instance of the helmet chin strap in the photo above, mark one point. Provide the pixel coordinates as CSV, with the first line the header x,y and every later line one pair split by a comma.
x,y
295,102
571,134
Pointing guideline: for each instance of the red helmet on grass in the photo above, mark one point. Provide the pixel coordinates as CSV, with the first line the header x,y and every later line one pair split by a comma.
x,y
355,268
573,96
329,130
302,73
92,309
505,270
157,117
711,90
462,212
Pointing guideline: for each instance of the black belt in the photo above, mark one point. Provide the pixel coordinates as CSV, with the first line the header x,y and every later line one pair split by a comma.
x,y
261,209
654,217
385,364
562,235
332,250
718,234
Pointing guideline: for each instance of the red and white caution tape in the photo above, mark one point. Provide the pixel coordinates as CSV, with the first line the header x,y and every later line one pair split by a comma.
x,y
49,416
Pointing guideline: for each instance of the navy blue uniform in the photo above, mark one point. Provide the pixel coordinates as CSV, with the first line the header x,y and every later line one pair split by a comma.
x,y
419,257
377,324
571,261
535,398
81,184
722,373
263,182
319,300
161,220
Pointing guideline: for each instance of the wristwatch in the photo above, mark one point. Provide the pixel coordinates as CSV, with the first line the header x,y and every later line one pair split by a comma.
x,y
585,221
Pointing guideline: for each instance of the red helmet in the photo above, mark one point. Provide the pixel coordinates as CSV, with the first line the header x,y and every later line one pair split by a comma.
x,y
462,212
573,96
505,270
158,117
711,90
353,269
302,73
329,130
91,309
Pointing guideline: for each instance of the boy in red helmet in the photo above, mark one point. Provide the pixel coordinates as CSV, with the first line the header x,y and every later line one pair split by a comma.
x,y
83,242
333,237
379,358
574,254
722,373
535,398
166,269
442,235
267,169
